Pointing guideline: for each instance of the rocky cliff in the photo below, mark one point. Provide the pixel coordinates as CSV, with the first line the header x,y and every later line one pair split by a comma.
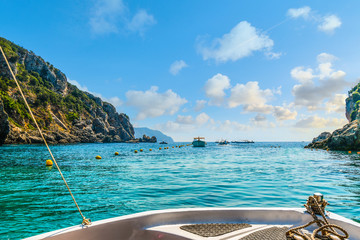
x,y
347,137
65,114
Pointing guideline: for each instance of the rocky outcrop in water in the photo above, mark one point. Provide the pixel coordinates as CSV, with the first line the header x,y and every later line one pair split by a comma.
x,y
347,137
64,113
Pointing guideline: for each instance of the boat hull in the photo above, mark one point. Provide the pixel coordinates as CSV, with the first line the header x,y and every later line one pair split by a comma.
x,y
164,224
198,143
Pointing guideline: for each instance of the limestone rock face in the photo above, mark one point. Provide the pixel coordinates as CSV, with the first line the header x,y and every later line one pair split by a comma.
x,y
321,137
4,124
65,113
346,138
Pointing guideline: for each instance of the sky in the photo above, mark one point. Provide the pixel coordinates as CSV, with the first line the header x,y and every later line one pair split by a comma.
x,y
258,70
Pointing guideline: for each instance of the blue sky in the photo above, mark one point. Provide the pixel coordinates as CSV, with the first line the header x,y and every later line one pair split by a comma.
x,y
260,70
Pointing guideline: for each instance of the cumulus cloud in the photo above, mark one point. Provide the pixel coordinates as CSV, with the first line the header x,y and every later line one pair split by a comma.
x,y
141,21
215,88
109,16
282,113
230,126
251,97
176,66
184,123
241,42
317,85
303,12
152,104
261,121
329,24
200,104
336,103
105,16
319,122
326,23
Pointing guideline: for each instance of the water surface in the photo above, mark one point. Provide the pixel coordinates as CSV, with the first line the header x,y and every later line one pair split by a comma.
x,y
33,198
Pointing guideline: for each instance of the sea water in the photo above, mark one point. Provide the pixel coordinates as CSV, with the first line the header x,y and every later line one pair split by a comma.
x,y
34,199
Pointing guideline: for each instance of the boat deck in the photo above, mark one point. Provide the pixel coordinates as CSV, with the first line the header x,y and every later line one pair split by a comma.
x,y
225,231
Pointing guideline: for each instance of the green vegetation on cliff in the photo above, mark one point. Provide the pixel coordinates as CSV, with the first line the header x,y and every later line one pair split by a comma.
x,y
59,107
355,96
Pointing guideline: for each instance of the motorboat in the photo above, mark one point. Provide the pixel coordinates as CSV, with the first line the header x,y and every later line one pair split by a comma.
x,y
213,224
199,142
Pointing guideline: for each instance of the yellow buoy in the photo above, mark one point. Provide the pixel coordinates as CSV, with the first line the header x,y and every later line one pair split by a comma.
x,y
136,151
116,153
141,150
150,149
49,162
358,152
349,151
98,157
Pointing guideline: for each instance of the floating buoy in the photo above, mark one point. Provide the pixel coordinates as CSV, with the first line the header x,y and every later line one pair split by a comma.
x,y
358,152
173,147
135,151
141,150
327,149
98,157
159,148
349,151
150,149
49,162
116,153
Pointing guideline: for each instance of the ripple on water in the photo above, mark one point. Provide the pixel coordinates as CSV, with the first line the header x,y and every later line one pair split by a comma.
x,y
248,175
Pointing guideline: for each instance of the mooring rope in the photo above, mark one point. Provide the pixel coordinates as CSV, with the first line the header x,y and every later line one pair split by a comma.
x,y
325,227
85,221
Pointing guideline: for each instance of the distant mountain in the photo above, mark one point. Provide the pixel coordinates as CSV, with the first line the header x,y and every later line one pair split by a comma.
x,y
139,132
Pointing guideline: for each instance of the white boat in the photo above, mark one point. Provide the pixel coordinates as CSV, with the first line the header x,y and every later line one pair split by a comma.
x,y
201,223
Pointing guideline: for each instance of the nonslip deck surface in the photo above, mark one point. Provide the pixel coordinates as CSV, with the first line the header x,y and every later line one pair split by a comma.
x,y
214,229
273,233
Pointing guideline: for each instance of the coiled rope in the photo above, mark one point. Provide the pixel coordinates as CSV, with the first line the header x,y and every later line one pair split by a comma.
x,y
327,230
85,221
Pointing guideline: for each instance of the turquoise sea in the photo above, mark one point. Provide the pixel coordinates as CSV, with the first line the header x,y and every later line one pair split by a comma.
x,y
33,198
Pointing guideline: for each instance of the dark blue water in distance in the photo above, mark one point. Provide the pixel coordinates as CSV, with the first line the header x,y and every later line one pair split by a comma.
x,y
33,198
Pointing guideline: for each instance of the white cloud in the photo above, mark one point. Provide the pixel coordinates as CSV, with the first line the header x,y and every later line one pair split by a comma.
x,y
251,97
117,102
241,42
185,123
185,119
319,122
78,85
230,126
273,55
336,103
215,88
261,121
326,23
105,16
329,24
202,118
325,58
153,104
109,16
200,104
303,12
315,88
176,66
281,113
141,21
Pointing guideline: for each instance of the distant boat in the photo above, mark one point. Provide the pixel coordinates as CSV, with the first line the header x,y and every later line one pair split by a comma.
x,y
163,142
243,141
199,142
224,142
